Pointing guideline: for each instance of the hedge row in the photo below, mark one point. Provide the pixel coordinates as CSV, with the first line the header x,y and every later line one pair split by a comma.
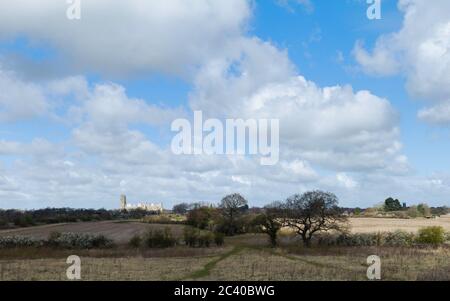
x,y
425,236
58,240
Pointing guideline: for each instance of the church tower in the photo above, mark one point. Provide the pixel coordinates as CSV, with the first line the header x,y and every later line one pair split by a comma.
x,y
123,202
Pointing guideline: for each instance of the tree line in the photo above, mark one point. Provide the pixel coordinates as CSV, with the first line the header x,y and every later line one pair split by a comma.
x,y
307,214
20,218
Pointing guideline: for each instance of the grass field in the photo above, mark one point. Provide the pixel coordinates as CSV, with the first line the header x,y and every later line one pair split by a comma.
x,y
364,225
244,257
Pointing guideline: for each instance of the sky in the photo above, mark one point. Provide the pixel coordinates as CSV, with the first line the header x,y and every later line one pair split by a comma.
x,y
86,105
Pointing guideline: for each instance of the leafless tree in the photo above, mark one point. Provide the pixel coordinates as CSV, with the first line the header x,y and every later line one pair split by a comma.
x,y
313,212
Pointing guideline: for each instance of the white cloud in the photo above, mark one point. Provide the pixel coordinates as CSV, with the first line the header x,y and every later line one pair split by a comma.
x,y
332,126
18,99
121,37
421,51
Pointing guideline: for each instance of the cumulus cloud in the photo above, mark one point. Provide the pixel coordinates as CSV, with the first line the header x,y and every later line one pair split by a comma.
x,y
19,99
421,51
332,138
122,37
332,126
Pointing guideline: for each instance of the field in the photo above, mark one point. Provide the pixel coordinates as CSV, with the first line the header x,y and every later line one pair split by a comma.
x,y
364,225
244,257
121,232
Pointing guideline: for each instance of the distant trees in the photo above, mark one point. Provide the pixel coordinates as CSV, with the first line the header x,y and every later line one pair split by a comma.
x,y
392,205
181,208
202,217
19,218
313,212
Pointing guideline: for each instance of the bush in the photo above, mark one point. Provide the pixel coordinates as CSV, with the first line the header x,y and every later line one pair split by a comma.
x,y
78,241
399,239
159,238
205,239
191,236
219,238
9,242
391,239
431,235
135,241
413,212
202,218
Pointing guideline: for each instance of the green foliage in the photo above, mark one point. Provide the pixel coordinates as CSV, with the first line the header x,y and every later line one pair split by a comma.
x,y
159,238
392,205
431,235
269,223
232,208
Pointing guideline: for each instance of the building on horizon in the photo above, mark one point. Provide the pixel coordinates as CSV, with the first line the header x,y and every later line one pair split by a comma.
x,y
150,207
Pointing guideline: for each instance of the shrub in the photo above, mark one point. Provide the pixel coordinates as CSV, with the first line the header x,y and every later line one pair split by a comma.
x,y
424,210
9,242
219,238
159,238
78,241
431,235
135,241
413,212
191,236
399,239
196,238
202,217
205,239
393,239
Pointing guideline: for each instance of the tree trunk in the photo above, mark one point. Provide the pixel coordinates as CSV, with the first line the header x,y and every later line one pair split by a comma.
x,y
306,241
273,240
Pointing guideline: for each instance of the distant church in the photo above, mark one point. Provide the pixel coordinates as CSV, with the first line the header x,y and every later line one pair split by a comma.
x,y
150,207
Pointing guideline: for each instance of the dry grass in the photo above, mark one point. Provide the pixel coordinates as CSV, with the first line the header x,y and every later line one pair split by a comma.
x,y
103,268
365,225
246,263
244,257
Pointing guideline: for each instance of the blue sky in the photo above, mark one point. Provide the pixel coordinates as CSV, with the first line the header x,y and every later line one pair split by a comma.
x,y
86,105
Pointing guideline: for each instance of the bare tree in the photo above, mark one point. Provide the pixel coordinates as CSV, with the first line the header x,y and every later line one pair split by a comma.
x,y
232,206
313,212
